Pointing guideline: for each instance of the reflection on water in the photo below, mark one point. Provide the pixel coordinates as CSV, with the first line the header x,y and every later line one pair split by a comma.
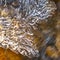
x,y
9,55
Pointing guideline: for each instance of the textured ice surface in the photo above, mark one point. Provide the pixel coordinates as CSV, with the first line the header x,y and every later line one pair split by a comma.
x,y
18,28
